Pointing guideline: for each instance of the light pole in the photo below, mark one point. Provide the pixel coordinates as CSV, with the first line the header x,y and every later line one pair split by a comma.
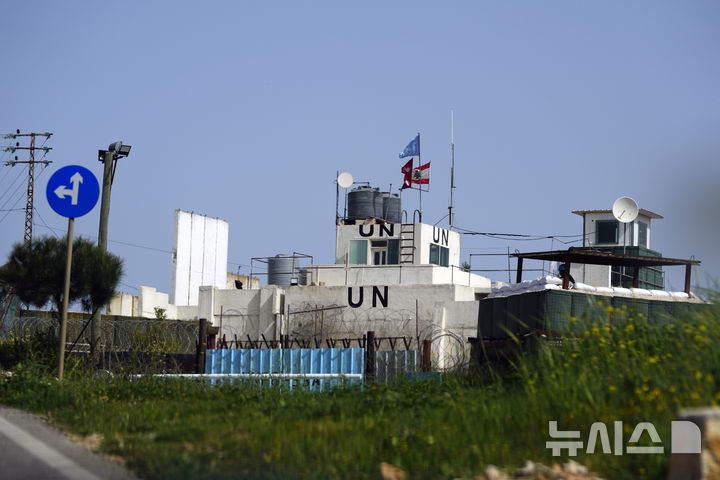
x,y
109,158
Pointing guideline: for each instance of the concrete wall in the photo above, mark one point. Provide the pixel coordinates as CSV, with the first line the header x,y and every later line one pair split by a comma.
x,y
389,310
123,304
248,282
144,304
424,236
149,299
243,312
335,275
200,249
371,231
429,234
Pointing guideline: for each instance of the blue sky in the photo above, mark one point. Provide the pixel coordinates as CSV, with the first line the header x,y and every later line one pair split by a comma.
x,y
246,110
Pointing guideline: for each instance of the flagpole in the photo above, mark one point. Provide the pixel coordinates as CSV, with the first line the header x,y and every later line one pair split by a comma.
x,y
420,164
452,167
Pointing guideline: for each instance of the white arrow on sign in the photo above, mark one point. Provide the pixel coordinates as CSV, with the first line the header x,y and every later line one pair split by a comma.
x,y
61,191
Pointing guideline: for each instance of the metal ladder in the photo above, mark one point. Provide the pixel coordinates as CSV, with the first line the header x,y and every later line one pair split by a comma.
x,y
407,243
407,238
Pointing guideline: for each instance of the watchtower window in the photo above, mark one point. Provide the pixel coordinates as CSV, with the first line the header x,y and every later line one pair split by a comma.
x,y
642,234
606,231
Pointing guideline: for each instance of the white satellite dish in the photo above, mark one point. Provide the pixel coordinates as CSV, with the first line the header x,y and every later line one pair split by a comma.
x,y
345,180
625,209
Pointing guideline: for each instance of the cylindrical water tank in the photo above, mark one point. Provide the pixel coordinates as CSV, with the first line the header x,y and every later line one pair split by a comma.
x,y
391,207
361,203
281,269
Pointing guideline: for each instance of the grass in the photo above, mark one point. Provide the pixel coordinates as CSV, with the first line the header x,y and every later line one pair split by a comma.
x,y
618,366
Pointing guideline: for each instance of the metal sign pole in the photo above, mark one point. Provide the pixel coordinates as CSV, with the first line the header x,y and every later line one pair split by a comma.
x,y
66,294
71,192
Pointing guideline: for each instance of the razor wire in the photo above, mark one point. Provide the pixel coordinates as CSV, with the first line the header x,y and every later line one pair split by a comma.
x,y
161,336
308,323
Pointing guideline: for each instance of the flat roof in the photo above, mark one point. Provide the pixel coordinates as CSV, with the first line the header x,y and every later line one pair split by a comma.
x,y
642,211
596,257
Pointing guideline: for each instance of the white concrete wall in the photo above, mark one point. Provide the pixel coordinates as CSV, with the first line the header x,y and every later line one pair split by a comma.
x,y
200,249
424,236
429,234
123,304
345,233
248,282
444,314
144,305
389,310
335,275
243,312
149,298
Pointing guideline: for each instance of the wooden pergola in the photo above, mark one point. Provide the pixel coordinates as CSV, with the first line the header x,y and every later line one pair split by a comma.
x,y
595,257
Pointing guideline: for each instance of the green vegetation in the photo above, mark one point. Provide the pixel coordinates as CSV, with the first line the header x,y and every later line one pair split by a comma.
x,y
617,367
37,272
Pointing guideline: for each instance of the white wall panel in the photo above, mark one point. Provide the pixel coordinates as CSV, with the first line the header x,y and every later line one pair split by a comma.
x,y
199,256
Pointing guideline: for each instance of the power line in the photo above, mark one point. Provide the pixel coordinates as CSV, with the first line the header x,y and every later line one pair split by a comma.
x,y
45,223
14,204
19,175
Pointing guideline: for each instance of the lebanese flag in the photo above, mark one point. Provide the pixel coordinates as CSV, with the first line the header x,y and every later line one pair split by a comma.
x,y
421,174
407,169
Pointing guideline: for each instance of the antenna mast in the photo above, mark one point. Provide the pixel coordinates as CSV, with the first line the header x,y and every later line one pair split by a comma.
x,y
452,168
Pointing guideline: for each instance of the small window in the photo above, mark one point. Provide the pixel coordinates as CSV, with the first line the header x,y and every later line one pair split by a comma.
x,y
606,231
642,234
439,255
393,252
378,243
357,253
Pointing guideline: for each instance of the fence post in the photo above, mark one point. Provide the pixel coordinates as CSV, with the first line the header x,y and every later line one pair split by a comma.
x,y
426,354
370,356
201,347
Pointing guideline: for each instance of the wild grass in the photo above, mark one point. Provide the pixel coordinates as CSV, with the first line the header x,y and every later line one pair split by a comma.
x,y
617,366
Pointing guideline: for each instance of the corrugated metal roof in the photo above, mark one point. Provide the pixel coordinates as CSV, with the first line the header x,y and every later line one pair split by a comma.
x,y
596,257
647,213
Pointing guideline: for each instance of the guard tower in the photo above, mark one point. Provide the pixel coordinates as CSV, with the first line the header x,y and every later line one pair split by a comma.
x,y
602,231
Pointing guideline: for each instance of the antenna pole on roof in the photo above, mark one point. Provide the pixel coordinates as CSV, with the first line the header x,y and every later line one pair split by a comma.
x,y
452,168
337,197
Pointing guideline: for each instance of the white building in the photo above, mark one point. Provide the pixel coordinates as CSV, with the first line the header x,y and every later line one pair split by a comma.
x,y
398,280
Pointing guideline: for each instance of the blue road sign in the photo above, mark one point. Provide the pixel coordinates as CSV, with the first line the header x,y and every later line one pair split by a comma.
x,y
72,191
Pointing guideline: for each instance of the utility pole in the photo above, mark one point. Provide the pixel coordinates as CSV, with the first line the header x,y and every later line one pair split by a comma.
x,y
31,172
109,159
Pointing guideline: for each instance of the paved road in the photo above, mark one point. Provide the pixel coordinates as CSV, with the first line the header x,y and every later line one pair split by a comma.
x,y
31,449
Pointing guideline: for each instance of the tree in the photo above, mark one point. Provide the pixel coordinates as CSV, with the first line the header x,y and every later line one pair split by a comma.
x,y
36,271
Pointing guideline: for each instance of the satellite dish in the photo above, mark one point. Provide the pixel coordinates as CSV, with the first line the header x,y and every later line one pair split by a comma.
x,y
625,209
345,180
